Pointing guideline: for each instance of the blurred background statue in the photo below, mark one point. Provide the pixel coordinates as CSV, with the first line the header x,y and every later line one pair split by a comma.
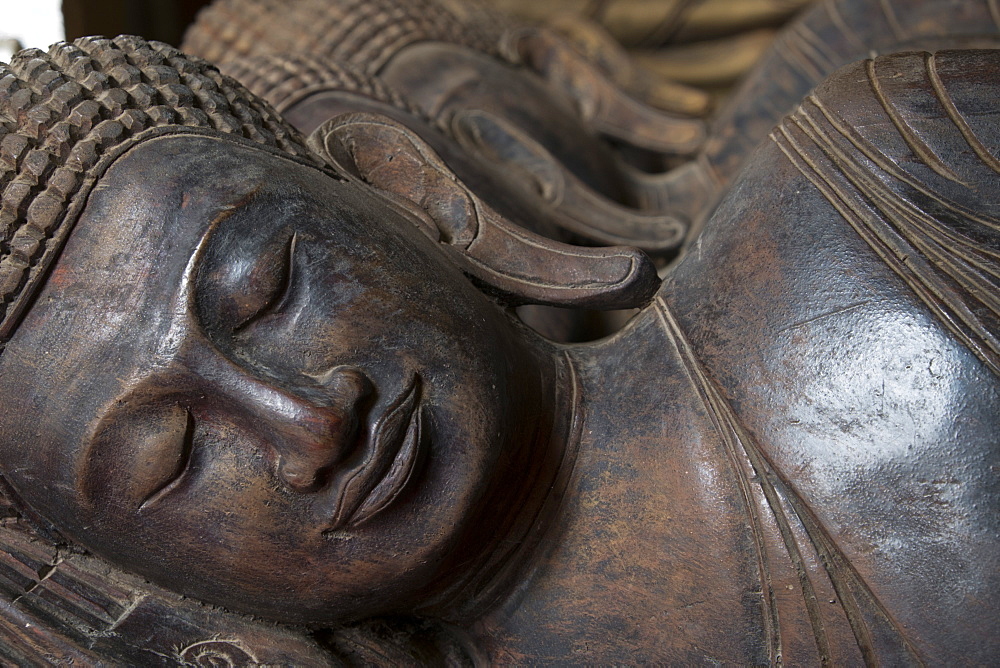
x,y
572,125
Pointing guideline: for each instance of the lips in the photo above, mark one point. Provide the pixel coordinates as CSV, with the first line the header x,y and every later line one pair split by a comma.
x,y
388,466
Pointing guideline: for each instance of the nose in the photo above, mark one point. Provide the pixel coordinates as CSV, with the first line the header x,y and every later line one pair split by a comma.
x,y
304,462
309,436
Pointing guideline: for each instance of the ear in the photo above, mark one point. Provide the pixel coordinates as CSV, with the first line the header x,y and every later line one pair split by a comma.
x,y
510,262
602,104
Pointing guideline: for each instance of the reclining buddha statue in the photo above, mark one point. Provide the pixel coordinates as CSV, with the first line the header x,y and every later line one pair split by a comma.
x,y
265,402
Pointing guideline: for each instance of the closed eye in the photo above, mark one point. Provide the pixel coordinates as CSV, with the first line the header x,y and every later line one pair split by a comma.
x,y
182,449
278,290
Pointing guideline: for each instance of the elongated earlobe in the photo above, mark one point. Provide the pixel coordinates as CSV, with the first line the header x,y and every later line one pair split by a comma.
x,y
509,262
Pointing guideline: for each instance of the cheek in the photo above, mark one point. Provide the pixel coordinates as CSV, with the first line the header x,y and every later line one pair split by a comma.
x,y
219,500
470,436
230,494
229,533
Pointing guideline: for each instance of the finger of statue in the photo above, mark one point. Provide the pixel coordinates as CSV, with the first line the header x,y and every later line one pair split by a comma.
x,y
715,18
717,62
650,23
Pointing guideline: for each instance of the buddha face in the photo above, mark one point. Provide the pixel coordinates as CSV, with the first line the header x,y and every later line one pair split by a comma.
x,y
265,388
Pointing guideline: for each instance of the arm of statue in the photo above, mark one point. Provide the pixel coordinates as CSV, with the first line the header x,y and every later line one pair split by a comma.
x,y
862,236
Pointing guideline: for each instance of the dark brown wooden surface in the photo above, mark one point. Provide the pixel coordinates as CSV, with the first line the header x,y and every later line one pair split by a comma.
x,y
265,402
827,36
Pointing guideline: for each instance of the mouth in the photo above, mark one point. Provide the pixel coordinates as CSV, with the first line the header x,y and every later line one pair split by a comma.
x,y
391,458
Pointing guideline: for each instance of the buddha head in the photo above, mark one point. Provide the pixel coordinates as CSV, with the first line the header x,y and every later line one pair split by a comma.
x,y
252,376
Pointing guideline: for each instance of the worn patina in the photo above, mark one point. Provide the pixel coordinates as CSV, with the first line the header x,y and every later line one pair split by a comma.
x,y
283,381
